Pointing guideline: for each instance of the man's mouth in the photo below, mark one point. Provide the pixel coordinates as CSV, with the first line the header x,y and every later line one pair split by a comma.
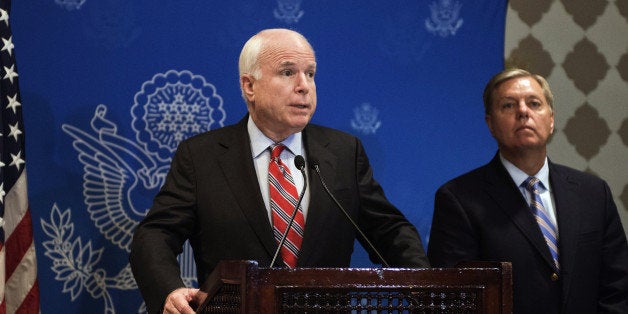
x,y
525,127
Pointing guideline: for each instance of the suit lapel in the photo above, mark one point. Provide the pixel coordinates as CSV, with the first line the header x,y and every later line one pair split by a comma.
x,y
506,194
568,216
237,167
316,147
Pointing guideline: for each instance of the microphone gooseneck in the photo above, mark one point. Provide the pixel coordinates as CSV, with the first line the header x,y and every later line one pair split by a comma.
x,y
315,166
299,162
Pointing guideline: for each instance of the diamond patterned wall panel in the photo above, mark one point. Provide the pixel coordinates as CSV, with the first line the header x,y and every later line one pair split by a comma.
x,y
581,46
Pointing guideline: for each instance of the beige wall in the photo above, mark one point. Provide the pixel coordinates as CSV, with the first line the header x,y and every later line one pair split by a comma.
x,y
581,47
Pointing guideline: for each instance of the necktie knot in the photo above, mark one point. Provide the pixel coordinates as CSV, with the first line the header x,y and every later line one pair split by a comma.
x,y
533,185
275,151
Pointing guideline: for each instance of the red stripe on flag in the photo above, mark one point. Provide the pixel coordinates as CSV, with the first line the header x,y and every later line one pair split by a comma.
x,y
18,243
19,289
30,304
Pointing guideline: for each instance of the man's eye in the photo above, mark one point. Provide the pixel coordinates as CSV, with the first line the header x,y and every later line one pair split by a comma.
x,y
311,74
286,72
507,106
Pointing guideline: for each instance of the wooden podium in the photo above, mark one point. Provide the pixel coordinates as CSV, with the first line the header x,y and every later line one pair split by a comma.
x,y
243,287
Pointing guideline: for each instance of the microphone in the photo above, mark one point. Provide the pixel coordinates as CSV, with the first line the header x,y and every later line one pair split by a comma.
x,y
355,225
299,162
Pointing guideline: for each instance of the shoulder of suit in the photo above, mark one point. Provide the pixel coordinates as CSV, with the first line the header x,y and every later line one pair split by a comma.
x,y
572,174
471,177
319,131
215,134
324,129
478,177
222,137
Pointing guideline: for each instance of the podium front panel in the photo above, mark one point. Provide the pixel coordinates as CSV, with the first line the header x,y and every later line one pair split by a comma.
x,y
242,287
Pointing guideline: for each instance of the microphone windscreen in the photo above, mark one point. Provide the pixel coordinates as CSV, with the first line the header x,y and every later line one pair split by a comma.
x,y
299,162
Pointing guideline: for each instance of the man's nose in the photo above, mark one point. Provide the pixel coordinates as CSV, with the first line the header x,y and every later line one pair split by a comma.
x,y
303,83
522,109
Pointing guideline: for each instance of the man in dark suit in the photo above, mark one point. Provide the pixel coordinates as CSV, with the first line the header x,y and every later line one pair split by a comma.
x,y
563,235
217,193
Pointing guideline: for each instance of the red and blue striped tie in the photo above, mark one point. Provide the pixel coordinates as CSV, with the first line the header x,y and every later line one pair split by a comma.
x,y
283,200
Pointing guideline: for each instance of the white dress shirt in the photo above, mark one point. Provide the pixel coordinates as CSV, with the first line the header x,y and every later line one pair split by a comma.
x,y
547,197
260,144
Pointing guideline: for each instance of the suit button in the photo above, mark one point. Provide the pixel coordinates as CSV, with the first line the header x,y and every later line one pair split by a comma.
x,y
554,277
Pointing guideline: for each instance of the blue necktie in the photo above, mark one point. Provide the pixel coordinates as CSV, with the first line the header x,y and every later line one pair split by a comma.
x,y
549,230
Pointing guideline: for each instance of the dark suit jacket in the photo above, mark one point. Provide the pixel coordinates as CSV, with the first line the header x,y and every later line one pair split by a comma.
x,y
212,196
482,215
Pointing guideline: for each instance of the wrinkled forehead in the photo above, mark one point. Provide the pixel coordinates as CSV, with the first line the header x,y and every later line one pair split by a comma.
x,y
518,84
285,44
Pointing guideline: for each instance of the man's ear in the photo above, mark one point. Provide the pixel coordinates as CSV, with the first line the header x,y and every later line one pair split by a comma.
x,y
246,84
552,123
489,123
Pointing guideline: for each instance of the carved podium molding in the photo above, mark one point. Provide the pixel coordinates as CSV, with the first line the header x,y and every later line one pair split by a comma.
x,y
243,287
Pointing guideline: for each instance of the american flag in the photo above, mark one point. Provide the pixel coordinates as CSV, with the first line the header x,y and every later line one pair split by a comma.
x,y
19,290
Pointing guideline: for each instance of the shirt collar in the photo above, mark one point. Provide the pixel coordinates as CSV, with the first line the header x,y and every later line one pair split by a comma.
x,y
260,142
519,176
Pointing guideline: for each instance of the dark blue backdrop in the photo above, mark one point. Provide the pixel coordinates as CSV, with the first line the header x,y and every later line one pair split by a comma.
x,y
404,76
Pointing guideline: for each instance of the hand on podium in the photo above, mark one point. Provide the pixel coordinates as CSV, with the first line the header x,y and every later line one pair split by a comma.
x,y
178,301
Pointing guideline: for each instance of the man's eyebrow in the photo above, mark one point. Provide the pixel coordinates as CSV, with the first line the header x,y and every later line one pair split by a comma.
x,y
505,98
291,63
534,97
287,64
